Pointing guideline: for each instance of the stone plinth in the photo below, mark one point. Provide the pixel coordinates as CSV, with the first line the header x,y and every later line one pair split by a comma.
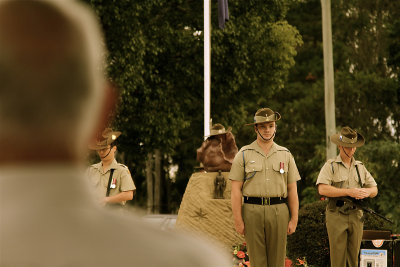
x,y
200,213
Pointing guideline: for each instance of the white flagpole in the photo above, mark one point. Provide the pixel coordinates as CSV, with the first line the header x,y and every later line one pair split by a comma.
x,y
330,120
207,66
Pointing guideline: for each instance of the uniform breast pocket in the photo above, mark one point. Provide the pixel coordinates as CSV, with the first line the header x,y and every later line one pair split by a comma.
x,y
252,168
337,181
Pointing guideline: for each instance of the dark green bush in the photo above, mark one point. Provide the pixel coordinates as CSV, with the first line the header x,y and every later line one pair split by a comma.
x,y
311,238
373,222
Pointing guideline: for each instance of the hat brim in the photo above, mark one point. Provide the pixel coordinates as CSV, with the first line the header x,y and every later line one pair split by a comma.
x,y
277,118
335,138
104,143
226,131
97,147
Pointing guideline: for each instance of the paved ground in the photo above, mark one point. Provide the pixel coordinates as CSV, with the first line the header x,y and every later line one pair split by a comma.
x,y
163,221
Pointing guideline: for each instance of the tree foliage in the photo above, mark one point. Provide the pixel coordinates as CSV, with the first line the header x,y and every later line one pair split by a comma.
x,y
156,61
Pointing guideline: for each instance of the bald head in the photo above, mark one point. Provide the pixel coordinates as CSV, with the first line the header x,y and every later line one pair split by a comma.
x,y
50,73
35,34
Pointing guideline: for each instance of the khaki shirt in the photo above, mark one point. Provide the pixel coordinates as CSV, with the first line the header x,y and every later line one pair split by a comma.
x,y
121,177
336,174
262,172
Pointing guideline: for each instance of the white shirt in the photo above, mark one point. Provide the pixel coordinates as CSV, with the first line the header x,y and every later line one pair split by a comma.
x,y
48,218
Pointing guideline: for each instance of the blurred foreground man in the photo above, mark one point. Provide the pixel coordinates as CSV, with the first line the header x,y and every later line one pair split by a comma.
x,y
345,177
51,92
264,174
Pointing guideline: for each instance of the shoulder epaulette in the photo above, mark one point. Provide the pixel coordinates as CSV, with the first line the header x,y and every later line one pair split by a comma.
x,y
330,161
246,148
243,149
282,148
359,162
122,165
95,165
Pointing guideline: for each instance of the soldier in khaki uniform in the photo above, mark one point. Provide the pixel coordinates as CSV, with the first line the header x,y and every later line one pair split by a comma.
x,y
345,177
111,179
265,175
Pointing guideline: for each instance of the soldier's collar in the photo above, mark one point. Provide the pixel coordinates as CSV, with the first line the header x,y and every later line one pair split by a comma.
x,y
257,147
339,160
97,165
113,165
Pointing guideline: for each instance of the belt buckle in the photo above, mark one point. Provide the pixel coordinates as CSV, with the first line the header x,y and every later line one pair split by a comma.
x,y
265,201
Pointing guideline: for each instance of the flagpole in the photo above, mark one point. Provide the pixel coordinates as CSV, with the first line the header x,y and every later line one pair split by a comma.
x,y
207,66
330,120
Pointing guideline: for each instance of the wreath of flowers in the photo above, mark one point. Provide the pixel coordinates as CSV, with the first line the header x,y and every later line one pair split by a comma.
x,y
240,256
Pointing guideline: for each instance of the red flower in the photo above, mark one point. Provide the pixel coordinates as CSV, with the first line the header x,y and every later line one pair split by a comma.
x,y
288,262
301,262
240,254
247,263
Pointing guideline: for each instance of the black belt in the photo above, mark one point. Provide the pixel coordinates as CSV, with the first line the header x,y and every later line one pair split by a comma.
x,y
264,200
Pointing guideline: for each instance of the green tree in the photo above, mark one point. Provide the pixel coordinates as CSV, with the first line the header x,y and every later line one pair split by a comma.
x,y
156,61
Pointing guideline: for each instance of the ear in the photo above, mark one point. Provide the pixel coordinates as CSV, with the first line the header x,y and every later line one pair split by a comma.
x,y
108,108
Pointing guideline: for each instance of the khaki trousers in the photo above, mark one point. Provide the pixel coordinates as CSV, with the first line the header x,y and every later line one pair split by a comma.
x,y
266,234
345,234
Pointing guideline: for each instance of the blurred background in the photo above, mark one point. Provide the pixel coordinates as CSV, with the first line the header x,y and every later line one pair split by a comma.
x,y
269,55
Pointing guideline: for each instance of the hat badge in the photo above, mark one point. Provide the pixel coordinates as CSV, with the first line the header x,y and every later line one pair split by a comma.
x,y
113,137
340,137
